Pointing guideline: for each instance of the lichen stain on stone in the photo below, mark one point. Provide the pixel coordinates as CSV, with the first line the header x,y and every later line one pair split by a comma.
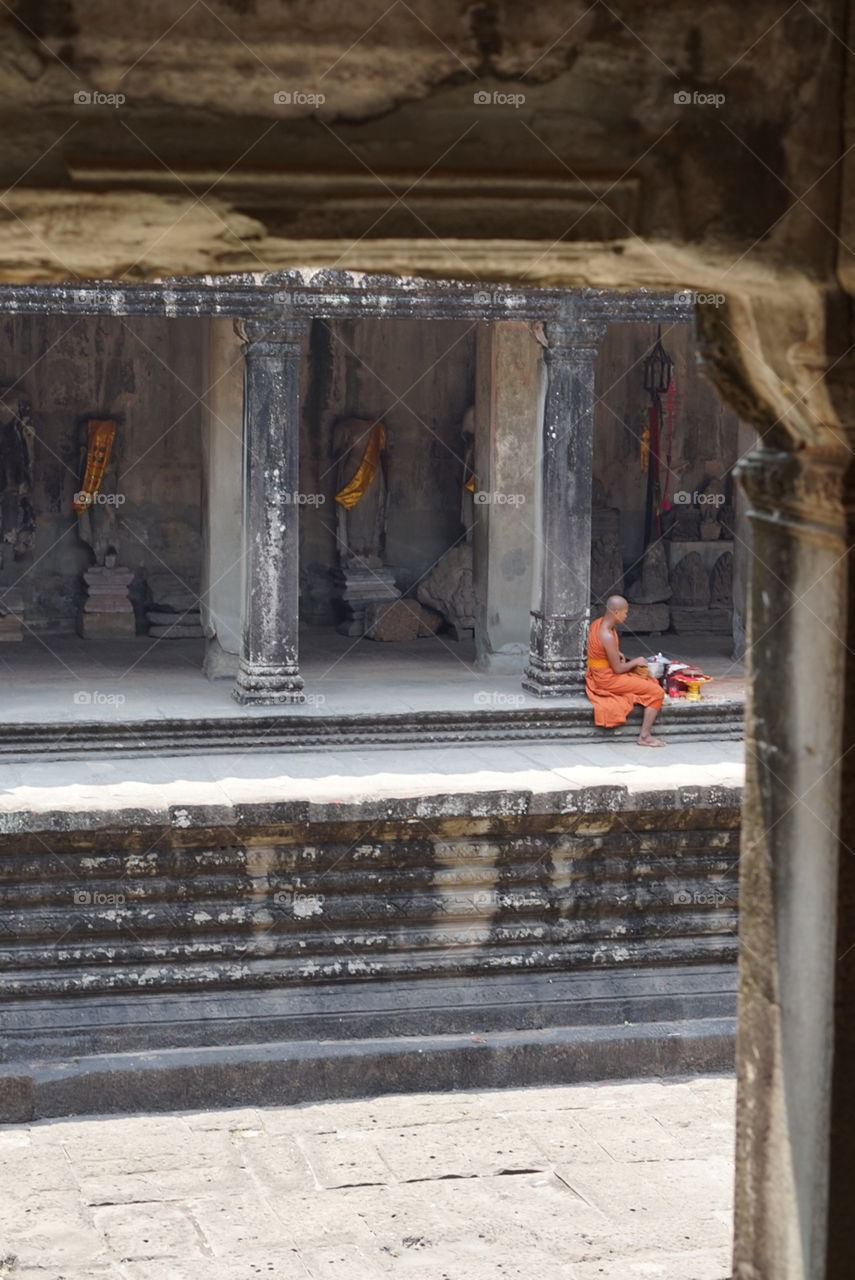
x,y
307,905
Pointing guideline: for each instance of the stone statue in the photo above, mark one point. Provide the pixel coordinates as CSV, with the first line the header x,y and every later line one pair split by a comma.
x,y
361,496
362,580
98,522
107,612
17,518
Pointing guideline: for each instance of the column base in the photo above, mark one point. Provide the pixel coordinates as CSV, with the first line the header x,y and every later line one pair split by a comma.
x,y
551,671
553,682
267,686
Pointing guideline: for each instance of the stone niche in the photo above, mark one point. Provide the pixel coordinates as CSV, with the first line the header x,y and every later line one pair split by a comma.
x,y
650,593
702,587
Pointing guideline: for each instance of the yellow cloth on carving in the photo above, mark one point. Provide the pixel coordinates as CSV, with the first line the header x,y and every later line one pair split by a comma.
x,y
356,488
99,445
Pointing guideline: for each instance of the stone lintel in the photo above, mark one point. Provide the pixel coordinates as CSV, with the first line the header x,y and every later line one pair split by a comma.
x,y
342,293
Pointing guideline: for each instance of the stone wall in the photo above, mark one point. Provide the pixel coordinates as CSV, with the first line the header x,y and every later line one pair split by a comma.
x,y
145,373
443,885
705,428
580,916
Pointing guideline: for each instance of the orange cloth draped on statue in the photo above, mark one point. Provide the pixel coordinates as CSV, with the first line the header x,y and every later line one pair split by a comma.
x,y
615,695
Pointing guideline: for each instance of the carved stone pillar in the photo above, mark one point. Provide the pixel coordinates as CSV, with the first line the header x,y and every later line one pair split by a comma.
x,y
268,671
563,539
796,1044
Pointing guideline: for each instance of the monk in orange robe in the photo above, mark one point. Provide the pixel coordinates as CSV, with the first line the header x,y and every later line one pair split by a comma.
x,y
611,682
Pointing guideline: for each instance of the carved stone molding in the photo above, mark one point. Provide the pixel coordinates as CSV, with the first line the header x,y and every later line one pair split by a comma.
x,y
259,334
579,338
333,293
804,487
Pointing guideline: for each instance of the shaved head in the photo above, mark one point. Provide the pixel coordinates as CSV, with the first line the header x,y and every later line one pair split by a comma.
x,y
614,603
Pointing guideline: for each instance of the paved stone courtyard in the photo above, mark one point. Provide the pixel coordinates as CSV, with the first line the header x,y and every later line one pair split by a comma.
x,y
594,1182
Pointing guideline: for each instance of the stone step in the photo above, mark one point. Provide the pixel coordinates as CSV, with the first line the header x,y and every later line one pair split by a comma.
x,y
289,1073
292,730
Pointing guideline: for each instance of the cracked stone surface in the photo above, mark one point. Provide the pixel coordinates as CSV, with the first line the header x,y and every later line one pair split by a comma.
x,y
592,1182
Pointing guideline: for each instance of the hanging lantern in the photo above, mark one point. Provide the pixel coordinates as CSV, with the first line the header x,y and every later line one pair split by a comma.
x,y
658,367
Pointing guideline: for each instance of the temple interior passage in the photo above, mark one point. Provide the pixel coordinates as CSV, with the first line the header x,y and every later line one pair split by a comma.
x,y
76,681
414,508
122,398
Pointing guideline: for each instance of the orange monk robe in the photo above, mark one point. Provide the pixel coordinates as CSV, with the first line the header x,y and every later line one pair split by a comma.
x,y
615,695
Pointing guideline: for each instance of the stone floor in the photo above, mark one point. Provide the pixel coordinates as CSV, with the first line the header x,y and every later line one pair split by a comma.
x,y
627,1181
153,784
63,678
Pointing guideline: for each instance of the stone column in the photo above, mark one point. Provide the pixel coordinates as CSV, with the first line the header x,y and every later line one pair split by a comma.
x,y
507,424
268,671
795,1168
222,525
746,440
563,531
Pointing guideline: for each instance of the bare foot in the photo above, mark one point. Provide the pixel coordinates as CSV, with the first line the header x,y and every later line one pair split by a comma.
x,y
651,742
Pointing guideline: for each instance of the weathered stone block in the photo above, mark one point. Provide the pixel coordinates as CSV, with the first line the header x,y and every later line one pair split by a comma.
x,y
648,617
402,620
606,567
685,620
106,626
654,585
721,581
448,587
690,582
169,592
